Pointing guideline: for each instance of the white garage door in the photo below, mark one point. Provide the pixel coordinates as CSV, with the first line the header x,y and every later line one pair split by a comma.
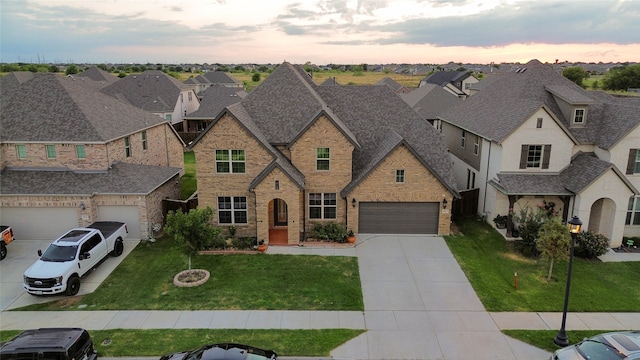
x,y
39,223
126,214
398,218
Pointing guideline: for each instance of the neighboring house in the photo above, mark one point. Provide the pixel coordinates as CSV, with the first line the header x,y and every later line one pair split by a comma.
x,y
532,136
394,85
429,101
213,78
331,81
100,77
157,93
70,155
456,82
293,153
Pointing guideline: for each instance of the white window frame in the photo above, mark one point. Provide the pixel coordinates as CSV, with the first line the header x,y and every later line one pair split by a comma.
x,y
540,157
320,159
637,167
231,160
144,139
327,201
235,207
633,212
400,176
579,119
463,139
476,146
127,146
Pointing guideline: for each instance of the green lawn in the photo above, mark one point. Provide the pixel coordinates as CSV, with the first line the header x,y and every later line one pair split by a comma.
x,y
188,181
543,339
126,342
143,281
490,265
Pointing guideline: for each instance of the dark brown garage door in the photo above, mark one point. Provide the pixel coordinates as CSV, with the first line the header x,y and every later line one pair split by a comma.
x,y
398,218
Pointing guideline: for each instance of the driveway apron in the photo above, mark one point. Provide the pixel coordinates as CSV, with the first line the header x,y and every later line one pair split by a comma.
x,y
419,305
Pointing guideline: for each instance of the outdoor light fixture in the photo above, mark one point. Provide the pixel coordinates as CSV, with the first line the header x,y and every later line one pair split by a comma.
x,y
444,203
82,207
574,228
353,202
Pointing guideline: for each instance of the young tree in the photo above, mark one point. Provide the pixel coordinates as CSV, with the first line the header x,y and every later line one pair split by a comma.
x,y
554,241
622,78
192,231
72,69
575,74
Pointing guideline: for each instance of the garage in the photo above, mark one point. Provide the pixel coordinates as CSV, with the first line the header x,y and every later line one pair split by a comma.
x,y
126,214
39,223
398,218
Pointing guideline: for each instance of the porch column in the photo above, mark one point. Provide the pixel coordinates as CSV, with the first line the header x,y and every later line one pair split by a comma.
x,y
512,202
565,208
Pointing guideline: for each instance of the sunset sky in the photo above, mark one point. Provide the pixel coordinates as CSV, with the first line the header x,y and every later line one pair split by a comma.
x,y
319,31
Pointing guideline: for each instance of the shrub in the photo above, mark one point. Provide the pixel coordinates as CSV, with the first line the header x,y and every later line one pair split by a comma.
x,y
529,223
590,245
330,231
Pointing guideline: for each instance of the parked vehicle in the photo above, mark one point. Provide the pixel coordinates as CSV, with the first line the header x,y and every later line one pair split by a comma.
x,y
7,238
618,345
72,256
50,343
223,351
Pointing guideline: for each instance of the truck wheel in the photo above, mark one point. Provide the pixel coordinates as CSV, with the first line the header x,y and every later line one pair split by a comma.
x,y
3,250
118,248
73,286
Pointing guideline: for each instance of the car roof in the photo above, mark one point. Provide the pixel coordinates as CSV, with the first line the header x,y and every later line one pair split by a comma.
x,y
231,351
51,339
627,342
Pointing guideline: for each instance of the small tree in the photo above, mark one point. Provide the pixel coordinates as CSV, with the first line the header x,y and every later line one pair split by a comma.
x,y
554,241
72,69
529,221
255,77
575,74
192,231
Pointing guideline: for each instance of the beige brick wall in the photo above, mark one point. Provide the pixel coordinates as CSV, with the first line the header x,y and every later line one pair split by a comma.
x,y
266,192
303,155
163,148
227,133
96,156
420,186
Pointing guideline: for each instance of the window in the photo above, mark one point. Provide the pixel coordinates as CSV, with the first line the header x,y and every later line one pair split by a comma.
x,y
463,140
322,159
190,96
168,117
633,165
471,179
539,123
232,209
535,156
80,152
400,176
438,124
144,140
230,161
21,151
322,206
51,151
578,116
127,147
476,146
633,211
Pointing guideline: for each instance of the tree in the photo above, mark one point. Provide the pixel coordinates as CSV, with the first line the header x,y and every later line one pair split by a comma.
x,y
554,241
575,74
255,77
622,78
71,69
192,231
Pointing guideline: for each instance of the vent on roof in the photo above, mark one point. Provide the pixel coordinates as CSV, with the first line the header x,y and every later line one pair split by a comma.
x,y
521,70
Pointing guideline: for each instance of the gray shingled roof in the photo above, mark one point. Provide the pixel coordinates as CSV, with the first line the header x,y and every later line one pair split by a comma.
x,y
219,77
394,85
443,78
52,108
215,99
430,100
584,169
102,77
122,178
153,90
530,184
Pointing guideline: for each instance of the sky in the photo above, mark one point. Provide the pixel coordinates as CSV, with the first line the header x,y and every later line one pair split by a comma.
x,y
318,31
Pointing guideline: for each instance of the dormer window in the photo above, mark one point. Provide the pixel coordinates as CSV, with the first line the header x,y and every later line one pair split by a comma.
x,y
579,116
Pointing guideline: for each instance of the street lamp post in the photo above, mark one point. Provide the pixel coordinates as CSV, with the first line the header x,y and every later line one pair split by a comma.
x,y
574,228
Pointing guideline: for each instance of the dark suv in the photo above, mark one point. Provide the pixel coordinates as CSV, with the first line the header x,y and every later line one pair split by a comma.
x,y
49,344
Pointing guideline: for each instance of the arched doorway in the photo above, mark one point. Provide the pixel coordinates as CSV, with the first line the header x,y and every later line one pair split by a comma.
x,y
278,222
601,217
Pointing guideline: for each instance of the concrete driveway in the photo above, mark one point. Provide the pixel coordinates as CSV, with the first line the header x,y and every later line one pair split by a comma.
x,y
420,305
22,253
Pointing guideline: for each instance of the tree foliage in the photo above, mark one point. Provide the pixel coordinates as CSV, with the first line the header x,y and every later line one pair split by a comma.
x,y
554,241
622,78
192,231
72,69
590,245
255,77
576,74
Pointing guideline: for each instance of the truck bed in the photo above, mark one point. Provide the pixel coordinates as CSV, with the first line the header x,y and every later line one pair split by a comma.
x,y
107,227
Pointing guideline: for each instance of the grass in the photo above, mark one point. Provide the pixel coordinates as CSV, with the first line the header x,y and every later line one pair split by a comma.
x,y
490,265
543,339
126,342
188,183
143,281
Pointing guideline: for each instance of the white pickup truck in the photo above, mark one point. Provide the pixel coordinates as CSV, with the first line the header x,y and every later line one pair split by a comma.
x,y
72,256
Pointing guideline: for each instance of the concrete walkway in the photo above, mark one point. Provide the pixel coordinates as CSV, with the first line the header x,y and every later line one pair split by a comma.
x,y
418,305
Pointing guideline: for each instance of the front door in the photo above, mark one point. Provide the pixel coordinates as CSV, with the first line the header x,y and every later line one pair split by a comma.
x,y
279,212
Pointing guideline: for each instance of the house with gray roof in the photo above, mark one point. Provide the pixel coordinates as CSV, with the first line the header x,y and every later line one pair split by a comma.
x,y
456,82
532,137
71,155
100,77
156,92
213,78
394,85
429,101
293,154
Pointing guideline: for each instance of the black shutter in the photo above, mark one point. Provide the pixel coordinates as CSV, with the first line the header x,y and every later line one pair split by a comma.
x,y
546,153
631,164
523,156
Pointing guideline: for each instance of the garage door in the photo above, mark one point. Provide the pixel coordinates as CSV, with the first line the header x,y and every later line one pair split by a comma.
x,y
126,214
398,218
39,223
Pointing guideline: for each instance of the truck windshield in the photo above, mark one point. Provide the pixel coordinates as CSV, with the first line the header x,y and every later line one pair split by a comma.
x,y
57,253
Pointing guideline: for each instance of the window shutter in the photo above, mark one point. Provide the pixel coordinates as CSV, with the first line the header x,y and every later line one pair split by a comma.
x,y
631,164
523,156
546,153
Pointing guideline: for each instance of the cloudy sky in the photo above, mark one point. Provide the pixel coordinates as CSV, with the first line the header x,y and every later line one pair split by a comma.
x,y
319,31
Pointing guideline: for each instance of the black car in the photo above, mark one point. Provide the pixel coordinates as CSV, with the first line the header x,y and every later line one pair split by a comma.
x,y
223,351
50,343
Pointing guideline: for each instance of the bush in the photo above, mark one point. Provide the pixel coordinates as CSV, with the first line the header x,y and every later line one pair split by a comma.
x,y
590,245
330,231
